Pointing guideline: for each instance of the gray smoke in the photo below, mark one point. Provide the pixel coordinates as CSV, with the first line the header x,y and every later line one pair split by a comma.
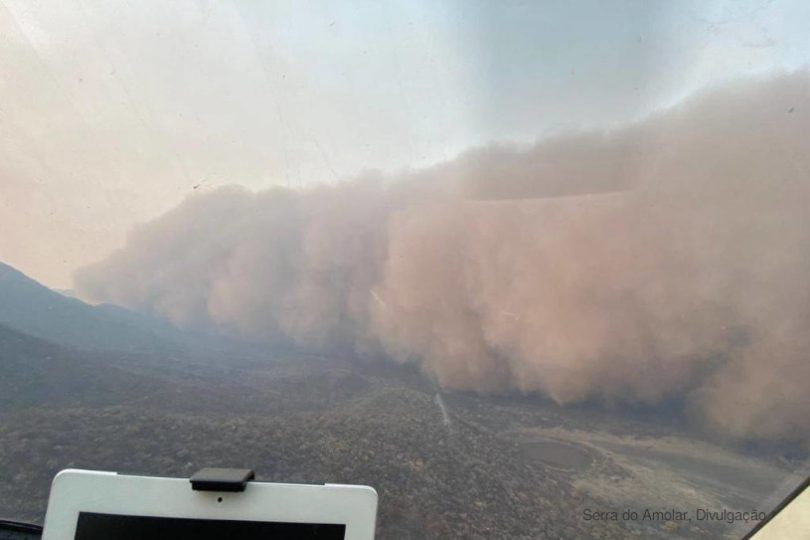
x,y
665,259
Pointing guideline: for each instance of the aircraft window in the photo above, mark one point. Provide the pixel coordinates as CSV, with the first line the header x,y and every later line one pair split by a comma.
x,y
526,268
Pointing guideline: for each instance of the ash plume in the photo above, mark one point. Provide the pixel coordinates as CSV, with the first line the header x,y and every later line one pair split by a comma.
x,y
664,259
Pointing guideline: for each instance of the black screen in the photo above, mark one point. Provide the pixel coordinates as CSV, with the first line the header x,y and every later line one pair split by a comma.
x,y
113,527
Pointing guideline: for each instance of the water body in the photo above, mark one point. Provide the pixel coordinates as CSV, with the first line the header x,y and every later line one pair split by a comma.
x,y
559,454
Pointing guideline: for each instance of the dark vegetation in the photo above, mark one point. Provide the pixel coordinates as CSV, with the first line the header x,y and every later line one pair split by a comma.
x,y
296,419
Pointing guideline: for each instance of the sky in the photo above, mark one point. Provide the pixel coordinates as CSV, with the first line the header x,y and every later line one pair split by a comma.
x,y
112,113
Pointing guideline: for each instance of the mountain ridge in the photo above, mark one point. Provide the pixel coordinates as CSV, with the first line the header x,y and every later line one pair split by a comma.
x,y
34,309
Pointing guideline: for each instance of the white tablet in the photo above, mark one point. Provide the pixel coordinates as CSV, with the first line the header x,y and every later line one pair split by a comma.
x,y
91,505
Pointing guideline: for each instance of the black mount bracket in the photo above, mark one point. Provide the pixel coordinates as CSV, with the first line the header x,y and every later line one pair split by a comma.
x,y
213,479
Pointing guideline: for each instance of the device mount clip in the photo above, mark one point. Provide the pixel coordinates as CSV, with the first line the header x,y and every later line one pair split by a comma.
x,y
215,479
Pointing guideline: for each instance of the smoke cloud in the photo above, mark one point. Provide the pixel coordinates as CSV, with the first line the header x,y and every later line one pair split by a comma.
x,y
664,259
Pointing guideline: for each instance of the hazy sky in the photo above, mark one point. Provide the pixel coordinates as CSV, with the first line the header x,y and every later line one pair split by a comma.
x,y
112,112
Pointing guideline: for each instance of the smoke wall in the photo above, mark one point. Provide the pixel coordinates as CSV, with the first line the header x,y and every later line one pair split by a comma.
x,y
667,258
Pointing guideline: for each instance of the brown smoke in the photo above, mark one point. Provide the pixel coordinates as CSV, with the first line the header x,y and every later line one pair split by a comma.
x,y
664,259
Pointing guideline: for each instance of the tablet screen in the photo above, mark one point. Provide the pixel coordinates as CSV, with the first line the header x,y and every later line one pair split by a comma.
x,y
93,526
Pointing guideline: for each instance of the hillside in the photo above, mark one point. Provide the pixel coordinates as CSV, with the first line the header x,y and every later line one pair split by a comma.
x,y
29,307
456,466
294,419
435,480
38,373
